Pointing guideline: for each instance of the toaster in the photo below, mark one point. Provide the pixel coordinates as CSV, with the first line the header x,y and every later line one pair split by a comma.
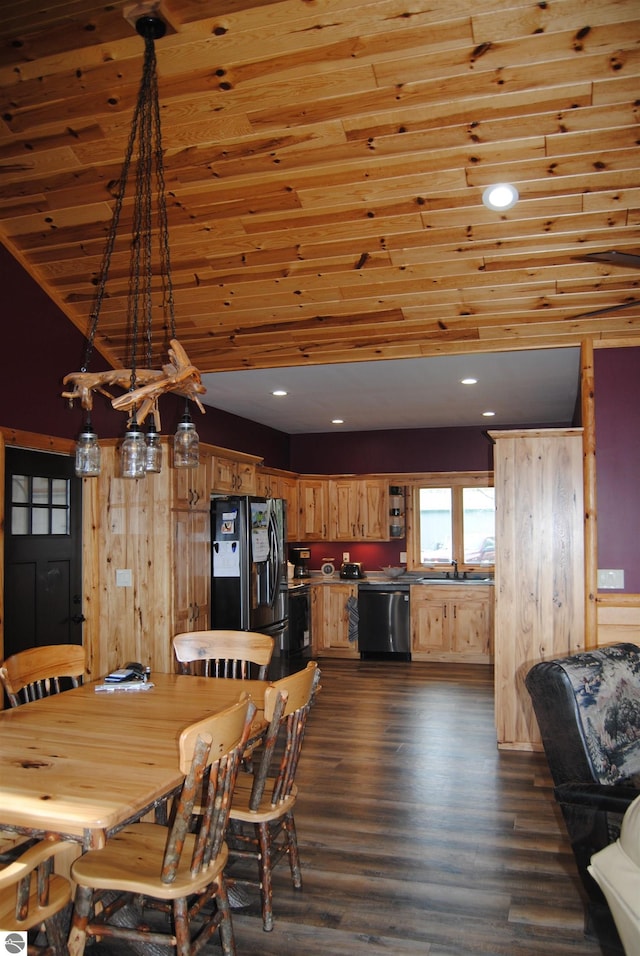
x,y
351,569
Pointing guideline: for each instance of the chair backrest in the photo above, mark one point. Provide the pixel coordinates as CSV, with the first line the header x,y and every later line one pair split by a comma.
x,y
210,753
37,672
287,703
588,711
29,892
224,653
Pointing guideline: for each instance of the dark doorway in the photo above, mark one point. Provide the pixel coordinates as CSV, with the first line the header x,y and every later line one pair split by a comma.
x,y
43,569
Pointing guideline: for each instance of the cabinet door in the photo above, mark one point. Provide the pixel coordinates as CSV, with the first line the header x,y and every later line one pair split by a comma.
x,y
289,491
191,488
330,620
374,509
312,509
469,621
429,626
192,570
231,476
344,503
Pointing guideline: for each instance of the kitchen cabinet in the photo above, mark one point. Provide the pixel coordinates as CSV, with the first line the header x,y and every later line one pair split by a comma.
x,y
539,570
272,483
330,620
192,486
313,508
451,623
359,509
192,570
234,475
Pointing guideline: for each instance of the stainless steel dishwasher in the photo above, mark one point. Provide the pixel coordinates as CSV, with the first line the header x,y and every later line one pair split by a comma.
x,y
383,621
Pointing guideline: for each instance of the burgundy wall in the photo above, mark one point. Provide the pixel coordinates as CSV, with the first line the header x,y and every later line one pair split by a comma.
x,y
404,450
41,345
617,400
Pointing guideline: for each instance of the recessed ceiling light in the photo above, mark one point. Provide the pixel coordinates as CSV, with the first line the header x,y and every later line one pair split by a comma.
x,y
468,381
488,414
500,196
279,391
337,421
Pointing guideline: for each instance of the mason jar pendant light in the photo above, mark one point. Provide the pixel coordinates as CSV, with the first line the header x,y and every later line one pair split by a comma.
x,y
87,452
186,443
153,460
144,385
133,452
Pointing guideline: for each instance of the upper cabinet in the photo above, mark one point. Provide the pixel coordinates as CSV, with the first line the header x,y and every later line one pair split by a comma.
x,y
192,486
313,509
233,474
359,509
274,483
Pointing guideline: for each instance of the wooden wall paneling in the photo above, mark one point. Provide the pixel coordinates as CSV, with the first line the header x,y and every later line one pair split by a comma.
x,y
618,618
126,528
539,574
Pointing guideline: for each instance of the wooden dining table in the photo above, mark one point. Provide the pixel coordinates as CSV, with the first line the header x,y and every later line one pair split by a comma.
x,y
83,763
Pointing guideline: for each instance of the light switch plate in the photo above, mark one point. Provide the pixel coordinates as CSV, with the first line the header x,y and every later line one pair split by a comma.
x,y
608,578
345,556
403,557
124,578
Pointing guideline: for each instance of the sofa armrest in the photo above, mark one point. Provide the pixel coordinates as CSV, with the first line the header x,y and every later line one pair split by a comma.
x,y
609,798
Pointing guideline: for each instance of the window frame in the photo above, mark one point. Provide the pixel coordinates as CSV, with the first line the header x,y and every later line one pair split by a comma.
x,y
456,481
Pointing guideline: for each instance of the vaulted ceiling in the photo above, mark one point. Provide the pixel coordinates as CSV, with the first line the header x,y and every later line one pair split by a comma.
x,y
325,162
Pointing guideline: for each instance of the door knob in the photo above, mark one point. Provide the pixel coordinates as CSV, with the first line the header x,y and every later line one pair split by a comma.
x,y
78,619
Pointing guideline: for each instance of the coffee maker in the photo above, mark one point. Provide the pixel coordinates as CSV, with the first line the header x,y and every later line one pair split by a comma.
x,y
299,557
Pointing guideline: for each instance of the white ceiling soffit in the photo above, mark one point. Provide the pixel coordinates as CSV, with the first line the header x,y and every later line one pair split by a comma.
x,y
528,387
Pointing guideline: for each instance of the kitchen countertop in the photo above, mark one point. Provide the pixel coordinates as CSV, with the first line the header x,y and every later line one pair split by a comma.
x,y
379,580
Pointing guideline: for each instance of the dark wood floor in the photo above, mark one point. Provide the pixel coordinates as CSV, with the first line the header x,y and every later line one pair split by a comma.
x,y
417,835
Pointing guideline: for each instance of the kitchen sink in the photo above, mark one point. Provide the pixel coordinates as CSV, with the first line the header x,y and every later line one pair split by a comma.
x,y
450,581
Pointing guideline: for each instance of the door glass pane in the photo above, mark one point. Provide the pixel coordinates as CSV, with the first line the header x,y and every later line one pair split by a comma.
x,y
40,521
40,494
435,525
19,521
59,491
479,525
59,521
19,488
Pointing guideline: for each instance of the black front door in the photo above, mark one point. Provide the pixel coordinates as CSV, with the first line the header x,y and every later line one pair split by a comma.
x,y
43,572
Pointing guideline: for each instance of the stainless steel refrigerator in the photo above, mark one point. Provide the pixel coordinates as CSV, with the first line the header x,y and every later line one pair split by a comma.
x,y
249,567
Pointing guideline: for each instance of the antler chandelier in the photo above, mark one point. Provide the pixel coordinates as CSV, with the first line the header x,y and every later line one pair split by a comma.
x,y
143,385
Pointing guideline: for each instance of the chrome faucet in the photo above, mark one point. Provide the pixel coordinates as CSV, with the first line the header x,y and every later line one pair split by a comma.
x,y
454,564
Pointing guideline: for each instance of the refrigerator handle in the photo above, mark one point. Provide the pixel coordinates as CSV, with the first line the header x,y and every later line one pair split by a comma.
x,y
274,560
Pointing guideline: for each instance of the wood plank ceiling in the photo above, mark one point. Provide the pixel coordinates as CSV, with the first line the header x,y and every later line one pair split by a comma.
x,y
325,163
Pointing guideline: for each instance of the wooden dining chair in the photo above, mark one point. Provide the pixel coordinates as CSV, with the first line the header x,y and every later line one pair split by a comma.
x,y
31,895
261,825
176,869
223,653
37,672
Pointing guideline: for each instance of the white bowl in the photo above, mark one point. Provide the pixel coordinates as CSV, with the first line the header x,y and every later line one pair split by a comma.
x,y
393,572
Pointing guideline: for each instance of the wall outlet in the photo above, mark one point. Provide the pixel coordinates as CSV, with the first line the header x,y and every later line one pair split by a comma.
x,y
610,578
124,578
345,556
403,557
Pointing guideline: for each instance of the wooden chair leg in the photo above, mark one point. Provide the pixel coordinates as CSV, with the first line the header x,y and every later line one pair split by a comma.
x,y
81,910
57,929
181,927
266,887
227,939
289,826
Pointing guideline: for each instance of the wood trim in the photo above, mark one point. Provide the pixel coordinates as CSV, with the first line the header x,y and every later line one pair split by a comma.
x,y
587,392
22,439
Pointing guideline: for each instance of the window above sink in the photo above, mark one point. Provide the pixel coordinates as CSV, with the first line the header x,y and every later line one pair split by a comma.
x,y
453,524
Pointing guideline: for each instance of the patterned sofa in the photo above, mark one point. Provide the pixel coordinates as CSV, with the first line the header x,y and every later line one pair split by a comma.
x,y
588,711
